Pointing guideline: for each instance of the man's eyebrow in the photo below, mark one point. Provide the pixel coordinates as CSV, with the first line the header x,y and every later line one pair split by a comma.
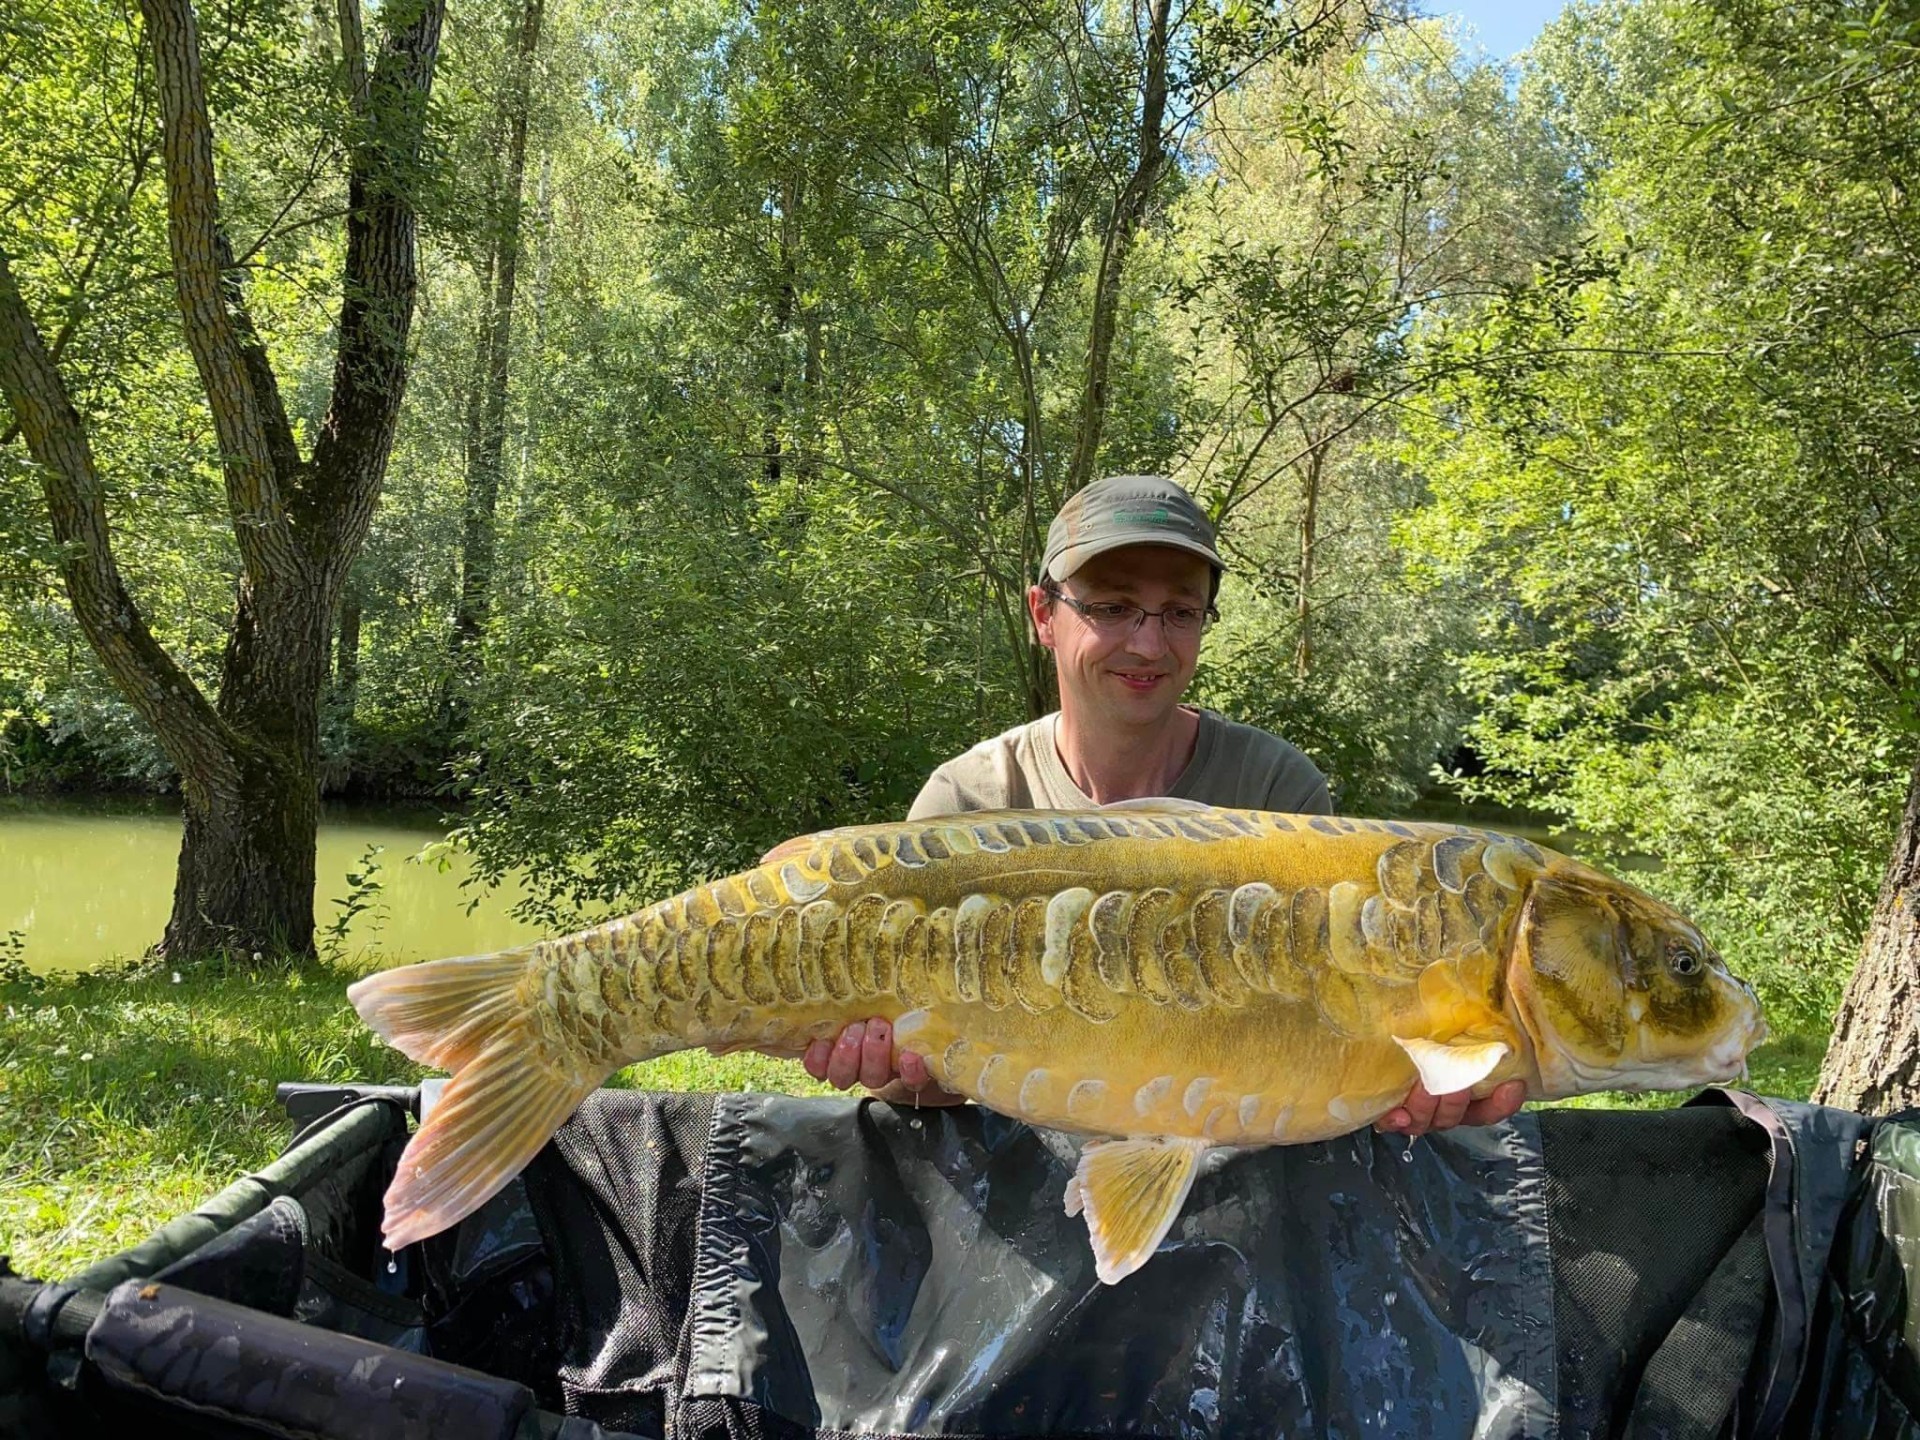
x,y
1131,591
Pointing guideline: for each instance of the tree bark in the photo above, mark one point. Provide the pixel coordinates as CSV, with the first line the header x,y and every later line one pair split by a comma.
x,y
1129,214
249,764
1309,526
346,655
1873,1062
492,363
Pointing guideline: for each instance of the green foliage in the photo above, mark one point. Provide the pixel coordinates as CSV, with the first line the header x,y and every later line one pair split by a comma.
x,y
364,886
1678,470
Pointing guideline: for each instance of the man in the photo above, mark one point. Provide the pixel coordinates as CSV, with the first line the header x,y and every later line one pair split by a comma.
x,y
1127,584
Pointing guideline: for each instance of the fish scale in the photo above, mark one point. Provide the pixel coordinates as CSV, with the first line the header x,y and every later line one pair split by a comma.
x,y
813,948
1163,977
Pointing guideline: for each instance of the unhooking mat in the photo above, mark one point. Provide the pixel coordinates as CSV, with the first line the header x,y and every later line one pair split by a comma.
x,y
751,1265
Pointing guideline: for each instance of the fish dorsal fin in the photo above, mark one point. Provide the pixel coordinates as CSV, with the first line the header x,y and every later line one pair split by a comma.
x,y
794,849
1157,802
1457,1064
1131,1192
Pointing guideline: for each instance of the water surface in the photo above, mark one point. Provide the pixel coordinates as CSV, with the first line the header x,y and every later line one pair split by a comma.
x,y
85,883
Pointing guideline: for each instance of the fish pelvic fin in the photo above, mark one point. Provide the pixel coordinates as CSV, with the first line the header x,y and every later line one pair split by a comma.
x,y
1131,1192
470,1015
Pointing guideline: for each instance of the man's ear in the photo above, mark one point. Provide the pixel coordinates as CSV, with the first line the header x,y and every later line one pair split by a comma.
x,y
1041,608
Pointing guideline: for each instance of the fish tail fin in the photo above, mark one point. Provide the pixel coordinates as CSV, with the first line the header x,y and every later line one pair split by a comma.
x,y
506,1098
442,1013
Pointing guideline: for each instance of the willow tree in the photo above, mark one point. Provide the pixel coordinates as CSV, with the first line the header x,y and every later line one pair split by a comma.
x,y
248,756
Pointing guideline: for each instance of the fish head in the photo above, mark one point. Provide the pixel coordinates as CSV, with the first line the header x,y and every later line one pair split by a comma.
x,y
1620,991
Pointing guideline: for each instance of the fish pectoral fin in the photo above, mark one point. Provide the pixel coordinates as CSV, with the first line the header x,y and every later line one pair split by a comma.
x,y
1457,1064
1157,802
1131,1192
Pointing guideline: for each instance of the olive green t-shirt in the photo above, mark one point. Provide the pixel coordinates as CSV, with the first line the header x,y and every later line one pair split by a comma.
x,y
1233,765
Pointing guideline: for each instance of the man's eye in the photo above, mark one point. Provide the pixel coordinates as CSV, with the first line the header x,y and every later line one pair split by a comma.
x,y
1183,616
1108,610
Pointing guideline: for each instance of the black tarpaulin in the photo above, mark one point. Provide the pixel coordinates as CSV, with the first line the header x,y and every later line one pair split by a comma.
x,y
756,1266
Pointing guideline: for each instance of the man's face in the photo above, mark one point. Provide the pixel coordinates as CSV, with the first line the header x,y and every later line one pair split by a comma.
x,y
1129,676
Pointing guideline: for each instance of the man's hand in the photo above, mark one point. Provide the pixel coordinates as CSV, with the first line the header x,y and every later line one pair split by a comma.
x,y
863,1055
1421,1112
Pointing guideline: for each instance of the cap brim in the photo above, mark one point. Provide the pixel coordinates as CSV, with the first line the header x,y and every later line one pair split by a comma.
x,y
1072,557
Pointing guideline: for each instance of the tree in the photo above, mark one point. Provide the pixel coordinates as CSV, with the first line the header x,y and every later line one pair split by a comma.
x,y
487,397
1873,1064
1345,203
248,759
1678,469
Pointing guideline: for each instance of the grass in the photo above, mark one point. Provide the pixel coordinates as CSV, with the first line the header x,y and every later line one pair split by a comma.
x,y
126,1100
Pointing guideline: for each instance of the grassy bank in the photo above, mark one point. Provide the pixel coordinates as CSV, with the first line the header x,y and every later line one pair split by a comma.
x,y
126,1101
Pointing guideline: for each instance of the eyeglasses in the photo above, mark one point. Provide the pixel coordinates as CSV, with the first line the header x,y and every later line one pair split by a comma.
x,y
1114,615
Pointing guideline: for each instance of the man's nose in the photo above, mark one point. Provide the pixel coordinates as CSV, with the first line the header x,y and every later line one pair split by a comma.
x,y
1148,639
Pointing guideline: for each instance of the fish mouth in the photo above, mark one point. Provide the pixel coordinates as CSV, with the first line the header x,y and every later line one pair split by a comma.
x,y
1725,1062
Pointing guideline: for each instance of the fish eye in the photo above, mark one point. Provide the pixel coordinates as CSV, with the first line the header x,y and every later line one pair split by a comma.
x,y
1683,960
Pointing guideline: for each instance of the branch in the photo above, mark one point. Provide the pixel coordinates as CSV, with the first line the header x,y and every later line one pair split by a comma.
x,y
379,283
249,419
153,682
353,54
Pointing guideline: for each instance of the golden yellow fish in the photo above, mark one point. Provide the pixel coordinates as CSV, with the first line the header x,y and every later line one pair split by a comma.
x,y
1164,976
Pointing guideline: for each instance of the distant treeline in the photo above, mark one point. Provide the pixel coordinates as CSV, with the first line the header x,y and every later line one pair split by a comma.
x,y
1560,419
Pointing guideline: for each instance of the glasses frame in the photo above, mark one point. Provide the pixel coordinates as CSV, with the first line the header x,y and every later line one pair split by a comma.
x,y
1209,614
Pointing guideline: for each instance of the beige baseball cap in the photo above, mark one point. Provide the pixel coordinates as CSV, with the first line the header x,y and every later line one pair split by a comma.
x,y
1126,510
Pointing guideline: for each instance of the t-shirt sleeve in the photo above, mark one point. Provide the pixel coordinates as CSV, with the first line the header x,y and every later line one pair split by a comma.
x,y
939,796
1300,789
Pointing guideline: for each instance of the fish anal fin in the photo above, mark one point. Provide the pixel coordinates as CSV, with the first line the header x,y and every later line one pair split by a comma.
x,y
1457,1064
492,1118
1131,1192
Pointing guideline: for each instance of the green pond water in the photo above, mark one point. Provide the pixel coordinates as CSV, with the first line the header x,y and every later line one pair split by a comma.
x,y
87,883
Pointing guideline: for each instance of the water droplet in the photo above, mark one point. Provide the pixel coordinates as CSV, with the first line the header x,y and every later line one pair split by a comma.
x,y
1391,1296
393,1266
916,1123
1406,1155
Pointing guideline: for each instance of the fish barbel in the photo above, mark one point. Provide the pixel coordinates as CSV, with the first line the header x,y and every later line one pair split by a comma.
x,y
1165,977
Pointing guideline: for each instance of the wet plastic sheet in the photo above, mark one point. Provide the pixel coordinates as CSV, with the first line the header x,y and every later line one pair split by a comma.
x,y
865,1268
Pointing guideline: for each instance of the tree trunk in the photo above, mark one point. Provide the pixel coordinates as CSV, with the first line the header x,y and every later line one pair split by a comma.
x,y
1129,214
491,365
1873,1063
1303,599
249,766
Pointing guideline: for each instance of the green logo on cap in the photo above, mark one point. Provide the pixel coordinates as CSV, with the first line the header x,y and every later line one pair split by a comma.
x,y
1147,517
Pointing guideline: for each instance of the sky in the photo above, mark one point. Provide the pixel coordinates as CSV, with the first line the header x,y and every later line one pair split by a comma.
x,y
1505,27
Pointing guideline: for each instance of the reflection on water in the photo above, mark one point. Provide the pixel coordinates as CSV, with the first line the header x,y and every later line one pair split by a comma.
x,y
90,882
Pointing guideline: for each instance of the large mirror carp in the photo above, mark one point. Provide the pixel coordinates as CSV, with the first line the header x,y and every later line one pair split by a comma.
x,y
1164,977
